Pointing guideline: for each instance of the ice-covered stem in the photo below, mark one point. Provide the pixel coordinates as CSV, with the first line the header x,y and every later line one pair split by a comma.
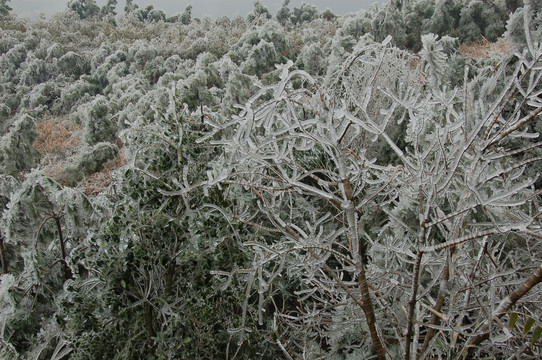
x,y
67,270
416,274
56,216
532,115
171,270
412,305
368,308
504,306
514,296
454,242
3,253
365,304
435,319
148,318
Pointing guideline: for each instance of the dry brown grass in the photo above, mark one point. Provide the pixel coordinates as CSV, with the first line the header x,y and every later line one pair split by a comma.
x,y
56,136
98,182
482,49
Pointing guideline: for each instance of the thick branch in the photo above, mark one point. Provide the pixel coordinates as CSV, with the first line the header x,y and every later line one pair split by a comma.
x,y
148,318
67,270
435,319
3,253
412,305
368,308
513,128
505,305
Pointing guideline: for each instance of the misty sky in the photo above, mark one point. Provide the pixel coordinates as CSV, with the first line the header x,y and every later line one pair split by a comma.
x,y
212,8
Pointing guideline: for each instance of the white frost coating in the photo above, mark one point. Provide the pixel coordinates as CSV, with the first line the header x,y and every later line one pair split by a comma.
x,y
347,205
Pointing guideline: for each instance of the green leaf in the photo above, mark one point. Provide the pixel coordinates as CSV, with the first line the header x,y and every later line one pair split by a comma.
x,y
528,325
123,284
186,340
513,320
536,335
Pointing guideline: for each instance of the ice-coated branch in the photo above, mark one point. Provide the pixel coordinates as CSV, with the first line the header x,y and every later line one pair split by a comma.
x,y
504,306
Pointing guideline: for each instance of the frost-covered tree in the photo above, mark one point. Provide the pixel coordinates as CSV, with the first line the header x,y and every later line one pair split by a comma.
x,y
312,57
152,259
284,13
238,88
155,15
130,7
186,16
328,15
261,59
4,7
305,13
388,247
33,71
89,160
389,21
14,57
445,18
435,59
515,28
355,201
17,153
200,87
75,94
260,49
8,186
40,99
84,8
480,18
97,123
259,11
109,8
72,64
43,224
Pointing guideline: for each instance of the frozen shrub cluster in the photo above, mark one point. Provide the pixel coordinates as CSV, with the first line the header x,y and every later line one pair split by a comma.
x,y
300,185
89,161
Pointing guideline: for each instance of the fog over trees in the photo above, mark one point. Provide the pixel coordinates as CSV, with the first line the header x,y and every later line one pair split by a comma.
x,y
298,185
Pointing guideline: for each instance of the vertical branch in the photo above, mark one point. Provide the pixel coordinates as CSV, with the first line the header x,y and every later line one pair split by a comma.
x,y
170,277
368,308
415,276
3,254
466,104
435,319
67,270
148,318
412,305
172,268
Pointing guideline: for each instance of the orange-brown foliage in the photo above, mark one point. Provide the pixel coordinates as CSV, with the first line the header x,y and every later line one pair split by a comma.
x,y
482,49
56,137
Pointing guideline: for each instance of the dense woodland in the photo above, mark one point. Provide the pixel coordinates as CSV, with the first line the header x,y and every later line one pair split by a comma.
x,y
299,185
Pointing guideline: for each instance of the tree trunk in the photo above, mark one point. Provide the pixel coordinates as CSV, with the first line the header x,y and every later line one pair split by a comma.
x,y
67,271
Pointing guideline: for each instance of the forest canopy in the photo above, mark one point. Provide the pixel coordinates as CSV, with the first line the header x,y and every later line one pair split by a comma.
x,y
298,185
